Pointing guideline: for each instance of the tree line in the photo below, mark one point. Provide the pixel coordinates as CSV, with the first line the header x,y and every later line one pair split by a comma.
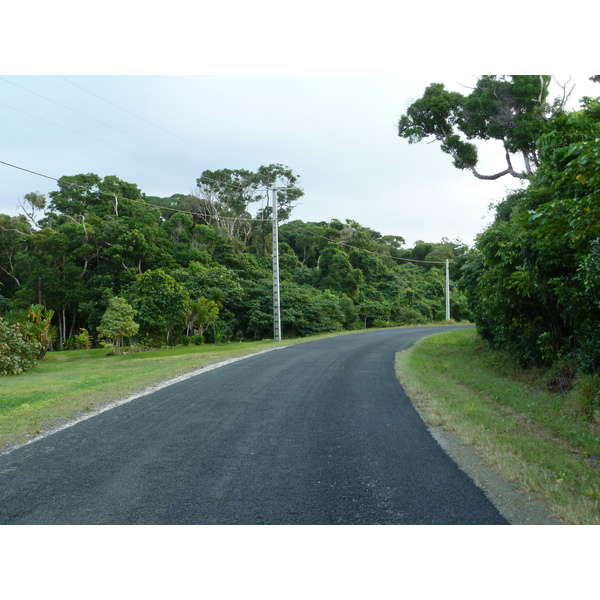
x,y
108,263
533,277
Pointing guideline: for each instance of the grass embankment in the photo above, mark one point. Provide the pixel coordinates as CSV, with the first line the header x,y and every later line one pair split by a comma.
x,y
546,442
76,381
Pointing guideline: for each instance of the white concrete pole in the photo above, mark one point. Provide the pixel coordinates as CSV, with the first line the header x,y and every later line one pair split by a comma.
x,y
276,300
447,290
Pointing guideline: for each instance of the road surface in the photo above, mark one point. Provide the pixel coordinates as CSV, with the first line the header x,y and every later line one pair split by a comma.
x,y
315,433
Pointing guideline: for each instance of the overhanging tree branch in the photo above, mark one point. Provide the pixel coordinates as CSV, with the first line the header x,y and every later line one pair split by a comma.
x,y
509,109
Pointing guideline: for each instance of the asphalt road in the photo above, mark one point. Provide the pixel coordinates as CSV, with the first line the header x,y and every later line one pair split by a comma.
x,y
315,433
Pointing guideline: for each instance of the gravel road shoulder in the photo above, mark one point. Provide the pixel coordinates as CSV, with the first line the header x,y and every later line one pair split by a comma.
x,y
515,506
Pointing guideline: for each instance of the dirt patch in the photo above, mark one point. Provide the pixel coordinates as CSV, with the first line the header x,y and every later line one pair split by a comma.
x,y
563,381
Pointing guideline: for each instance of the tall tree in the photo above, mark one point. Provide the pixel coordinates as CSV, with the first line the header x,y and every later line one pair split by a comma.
x,y
32,204
532,280
223,198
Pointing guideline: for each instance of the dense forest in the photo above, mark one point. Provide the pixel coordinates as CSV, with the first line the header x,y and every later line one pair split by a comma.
x,y
99,262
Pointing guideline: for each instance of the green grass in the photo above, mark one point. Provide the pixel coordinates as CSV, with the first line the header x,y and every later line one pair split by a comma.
x,y
544,442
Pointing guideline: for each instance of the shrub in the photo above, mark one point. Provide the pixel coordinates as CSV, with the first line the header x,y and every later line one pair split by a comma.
x,y
69,344
17,351
82,340
405,315
4,304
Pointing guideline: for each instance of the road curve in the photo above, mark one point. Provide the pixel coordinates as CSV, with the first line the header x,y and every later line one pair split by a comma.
x,y
314,433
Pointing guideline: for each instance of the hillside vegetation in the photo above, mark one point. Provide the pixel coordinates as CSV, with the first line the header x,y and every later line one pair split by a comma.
x,y
100,263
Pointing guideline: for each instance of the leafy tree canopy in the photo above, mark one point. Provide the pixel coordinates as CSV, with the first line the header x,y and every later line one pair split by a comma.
x,y
532,280
512,109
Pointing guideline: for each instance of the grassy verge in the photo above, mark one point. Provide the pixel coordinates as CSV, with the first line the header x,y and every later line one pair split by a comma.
x,y
542,441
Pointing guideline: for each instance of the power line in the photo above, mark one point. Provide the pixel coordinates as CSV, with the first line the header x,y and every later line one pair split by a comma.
x,y
27,170
143,119
91,118
71,130
232,186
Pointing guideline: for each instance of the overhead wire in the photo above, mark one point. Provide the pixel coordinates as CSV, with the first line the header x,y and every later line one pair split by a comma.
x,y
143,202
142,118
237,218
342,243
229,185
88,117
71,130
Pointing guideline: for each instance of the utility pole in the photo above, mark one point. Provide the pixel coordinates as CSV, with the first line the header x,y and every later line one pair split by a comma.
x,y
447,290
276,302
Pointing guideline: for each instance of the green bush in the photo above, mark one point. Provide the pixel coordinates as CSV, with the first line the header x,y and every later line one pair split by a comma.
x,y
17,351
69,344
82,340
405,315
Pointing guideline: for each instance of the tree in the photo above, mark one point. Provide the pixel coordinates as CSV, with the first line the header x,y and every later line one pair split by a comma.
x,y
100,238
288,192
223,198
512,109
202,313
13,232
532,278
91,194
372,310
52,267
33,203
118,322
335,272
307,239
162,306
39,327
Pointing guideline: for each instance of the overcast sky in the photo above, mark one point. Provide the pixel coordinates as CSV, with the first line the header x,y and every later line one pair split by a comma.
x,y
337,132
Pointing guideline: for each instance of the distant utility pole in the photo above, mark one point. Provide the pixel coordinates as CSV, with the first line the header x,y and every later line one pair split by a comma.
x,y
276,301
447,290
